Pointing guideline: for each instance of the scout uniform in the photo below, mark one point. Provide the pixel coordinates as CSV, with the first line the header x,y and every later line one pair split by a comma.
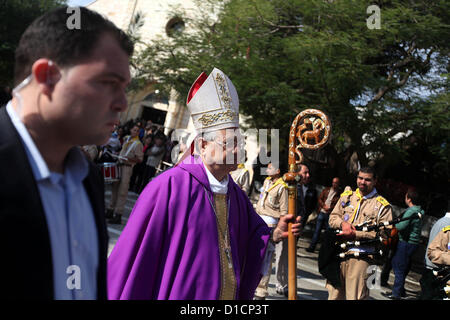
x,y
272,203
439,251
427,282
242,178
132,148
357,209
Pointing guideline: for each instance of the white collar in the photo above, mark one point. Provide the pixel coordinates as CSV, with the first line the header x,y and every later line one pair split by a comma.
x,y
371,195
75,163
447,215
215,185
42,168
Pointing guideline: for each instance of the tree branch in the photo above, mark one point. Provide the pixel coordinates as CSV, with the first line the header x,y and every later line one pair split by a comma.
x,y
408,60
275,25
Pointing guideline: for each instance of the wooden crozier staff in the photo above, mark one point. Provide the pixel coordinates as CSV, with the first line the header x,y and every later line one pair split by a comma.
x,y
309,125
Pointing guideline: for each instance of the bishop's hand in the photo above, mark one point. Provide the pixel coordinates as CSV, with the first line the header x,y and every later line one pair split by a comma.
x,y
281,230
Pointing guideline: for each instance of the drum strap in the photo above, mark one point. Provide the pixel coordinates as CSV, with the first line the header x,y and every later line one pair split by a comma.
x,y
130,147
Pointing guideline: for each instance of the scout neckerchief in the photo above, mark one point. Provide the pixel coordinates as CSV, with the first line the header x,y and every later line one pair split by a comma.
x,y
361,198
279,181
270,187
129,144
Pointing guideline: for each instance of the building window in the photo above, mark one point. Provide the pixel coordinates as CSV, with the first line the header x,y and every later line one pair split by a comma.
x,y
174,27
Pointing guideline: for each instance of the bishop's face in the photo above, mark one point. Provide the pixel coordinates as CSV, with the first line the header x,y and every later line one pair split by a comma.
x,y
222,149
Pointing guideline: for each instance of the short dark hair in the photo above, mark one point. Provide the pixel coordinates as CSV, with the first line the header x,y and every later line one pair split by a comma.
x,y
413,195
369,170
159,135
49,37
301,165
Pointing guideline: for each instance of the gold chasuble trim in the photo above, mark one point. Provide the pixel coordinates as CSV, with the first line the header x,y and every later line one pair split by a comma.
x,y
228,278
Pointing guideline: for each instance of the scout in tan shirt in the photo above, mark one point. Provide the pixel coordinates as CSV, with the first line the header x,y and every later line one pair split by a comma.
x,y
355,208
272,204
273,201
242,177
439,249
131,153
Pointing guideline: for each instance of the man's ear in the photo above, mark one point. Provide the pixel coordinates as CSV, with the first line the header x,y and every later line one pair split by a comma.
x,y
46,73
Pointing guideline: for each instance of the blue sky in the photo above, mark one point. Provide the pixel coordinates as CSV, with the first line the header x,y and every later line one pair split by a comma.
x,y
78,2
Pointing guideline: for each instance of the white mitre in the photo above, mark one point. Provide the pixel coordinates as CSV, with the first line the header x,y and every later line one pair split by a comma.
x,y
213,103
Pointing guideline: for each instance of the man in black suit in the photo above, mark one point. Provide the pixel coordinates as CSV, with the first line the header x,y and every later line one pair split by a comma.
x,y
5,95
70,87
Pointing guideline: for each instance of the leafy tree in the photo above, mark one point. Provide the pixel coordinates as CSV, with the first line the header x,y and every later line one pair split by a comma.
x,y
15,17
382,87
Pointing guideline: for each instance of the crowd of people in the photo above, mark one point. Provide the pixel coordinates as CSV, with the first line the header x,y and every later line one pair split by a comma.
x,y
193,233
347,211
153,148
137,151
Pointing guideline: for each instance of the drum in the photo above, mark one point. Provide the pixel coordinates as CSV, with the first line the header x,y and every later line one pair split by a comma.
x,y
111,172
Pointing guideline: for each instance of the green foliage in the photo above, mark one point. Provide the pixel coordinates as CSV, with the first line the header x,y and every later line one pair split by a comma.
x,y
285,56
15,16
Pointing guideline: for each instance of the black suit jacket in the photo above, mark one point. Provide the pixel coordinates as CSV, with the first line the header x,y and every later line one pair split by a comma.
x,y
306,203
26,267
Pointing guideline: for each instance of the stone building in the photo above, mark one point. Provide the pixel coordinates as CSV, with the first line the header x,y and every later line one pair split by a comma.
x,y
158,21
148,103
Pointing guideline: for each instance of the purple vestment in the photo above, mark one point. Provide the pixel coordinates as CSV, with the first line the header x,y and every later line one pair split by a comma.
x,y
169,247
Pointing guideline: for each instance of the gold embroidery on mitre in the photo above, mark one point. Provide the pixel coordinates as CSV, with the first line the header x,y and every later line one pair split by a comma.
x,y
210,119
223,92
